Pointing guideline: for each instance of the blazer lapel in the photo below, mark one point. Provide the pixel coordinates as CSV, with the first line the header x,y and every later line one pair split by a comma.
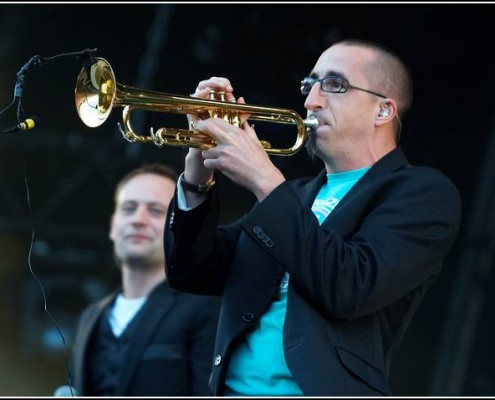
x,y
86,328
389,163
156,307
309,191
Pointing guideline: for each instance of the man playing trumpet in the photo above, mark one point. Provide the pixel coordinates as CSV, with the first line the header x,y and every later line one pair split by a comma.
x,y
321,278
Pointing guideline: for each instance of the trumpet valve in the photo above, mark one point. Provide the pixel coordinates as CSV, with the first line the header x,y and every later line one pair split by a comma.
x,y
212,95
225,115
235,119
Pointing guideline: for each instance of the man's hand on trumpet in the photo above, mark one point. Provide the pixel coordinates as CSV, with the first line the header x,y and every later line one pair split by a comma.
x,y
238,154
195,172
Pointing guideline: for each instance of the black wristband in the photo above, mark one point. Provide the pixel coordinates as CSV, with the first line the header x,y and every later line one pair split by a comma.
x,y
196,188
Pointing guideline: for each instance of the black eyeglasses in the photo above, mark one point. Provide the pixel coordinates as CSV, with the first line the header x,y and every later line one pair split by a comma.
x,y
332,84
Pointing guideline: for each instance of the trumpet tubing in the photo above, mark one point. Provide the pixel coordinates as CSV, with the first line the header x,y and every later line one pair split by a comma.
x,y
97,93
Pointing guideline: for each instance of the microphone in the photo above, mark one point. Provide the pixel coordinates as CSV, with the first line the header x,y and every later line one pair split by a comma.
x,y
26,125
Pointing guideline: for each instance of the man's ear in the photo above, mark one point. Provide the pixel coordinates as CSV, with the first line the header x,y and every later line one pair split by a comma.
x,y
386,112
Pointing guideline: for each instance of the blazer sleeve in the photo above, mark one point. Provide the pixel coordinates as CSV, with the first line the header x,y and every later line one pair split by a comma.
x,y
198,255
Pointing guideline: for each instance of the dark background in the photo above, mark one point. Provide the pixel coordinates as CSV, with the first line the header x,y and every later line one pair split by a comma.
x,y
67,171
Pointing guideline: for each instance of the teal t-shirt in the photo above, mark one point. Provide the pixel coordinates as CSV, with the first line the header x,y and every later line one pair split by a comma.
x,y
257,366
334,190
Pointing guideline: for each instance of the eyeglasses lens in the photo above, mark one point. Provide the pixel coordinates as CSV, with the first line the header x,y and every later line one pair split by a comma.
x,y
330,84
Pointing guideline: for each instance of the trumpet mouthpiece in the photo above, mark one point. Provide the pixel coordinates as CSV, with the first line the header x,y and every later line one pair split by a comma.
x,y
311,123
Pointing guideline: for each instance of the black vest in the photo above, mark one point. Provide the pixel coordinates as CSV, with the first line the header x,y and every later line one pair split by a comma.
x,y
105,355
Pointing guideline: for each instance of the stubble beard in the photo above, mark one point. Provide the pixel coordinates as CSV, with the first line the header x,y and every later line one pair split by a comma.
x,y
310,145
134,260
138,262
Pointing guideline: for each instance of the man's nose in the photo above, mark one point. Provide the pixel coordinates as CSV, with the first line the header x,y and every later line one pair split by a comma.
x,y
140,216
316,98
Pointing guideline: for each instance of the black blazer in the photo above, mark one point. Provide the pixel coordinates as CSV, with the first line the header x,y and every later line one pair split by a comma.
x,y
355,281
170,351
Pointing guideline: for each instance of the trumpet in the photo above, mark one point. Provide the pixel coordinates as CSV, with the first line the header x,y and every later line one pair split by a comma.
x,y
97,92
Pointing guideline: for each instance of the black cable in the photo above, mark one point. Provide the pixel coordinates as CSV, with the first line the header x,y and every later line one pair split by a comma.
x,y
86,55
66,358
10,105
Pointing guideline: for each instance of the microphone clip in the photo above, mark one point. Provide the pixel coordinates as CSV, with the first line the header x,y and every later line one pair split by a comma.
x,y
21,75
88,57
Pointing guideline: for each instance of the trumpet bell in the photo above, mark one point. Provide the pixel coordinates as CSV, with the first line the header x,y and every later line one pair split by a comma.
x,y
95,93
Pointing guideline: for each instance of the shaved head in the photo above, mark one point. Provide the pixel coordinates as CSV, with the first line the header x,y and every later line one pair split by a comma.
x,y
386,72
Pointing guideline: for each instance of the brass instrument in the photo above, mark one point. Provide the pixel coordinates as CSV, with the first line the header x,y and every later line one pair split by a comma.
x,y
97,92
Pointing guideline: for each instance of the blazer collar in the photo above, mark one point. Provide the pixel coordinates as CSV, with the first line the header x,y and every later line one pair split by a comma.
x,y
389,163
